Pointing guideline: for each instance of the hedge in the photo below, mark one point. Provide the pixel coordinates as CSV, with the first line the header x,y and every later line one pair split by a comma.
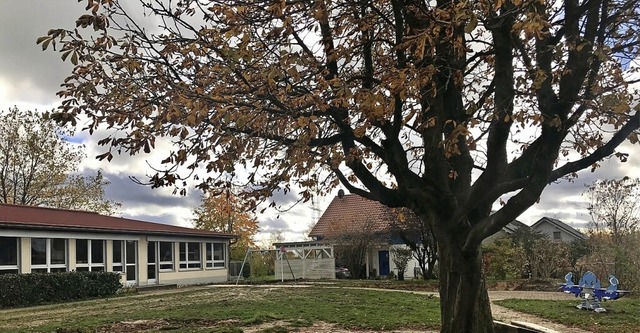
x,y
18,290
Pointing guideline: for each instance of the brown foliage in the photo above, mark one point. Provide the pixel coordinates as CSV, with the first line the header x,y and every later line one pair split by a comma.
x,y
225,213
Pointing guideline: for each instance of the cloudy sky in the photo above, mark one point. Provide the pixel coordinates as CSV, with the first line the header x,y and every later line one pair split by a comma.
x,y
29,79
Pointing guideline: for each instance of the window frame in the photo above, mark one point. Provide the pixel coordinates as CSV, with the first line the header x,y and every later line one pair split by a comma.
x,y
189,265
165,262
210,259
48,265
12,269
90,265
120,263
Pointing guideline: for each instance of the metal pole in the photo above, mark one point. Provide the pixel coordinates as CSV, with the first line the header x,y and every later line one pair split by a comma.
x,y
242,266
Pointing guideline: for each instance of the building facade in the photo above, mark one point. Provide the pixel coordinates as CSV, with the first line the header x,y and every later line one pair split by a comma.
x,y
41,240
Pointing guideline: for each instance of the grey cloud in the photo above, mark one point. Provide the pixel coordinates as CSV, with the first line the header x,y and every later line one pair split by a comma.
x,y
36,75
131,194
273,224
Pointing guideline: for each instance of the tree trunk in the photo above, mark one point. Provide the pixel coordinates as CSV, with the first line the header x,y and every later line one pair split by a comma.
x,y
464,302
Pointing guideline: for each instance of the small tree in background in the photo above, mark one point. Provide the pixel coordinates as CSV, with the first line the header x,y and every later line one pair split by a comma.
x,y
526,239
401,256
550,259
613,206
615,218
417,234
38,166
578,250
351,245
225,213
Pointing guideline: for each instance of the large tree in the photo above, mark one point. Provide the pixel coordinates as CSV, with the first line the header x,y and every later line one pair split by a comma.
x,y
38,166
225,213
443,107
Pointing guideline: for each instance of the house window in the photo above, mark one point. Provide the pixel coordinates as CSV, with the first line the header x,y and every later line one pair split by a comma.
x,y
166,256
48,255
89,255
557,235
215,255
190,255
8,255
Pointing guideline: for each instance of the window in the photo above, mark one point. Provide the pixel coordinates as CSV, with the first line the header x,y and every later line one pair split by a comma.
x,y
215,255
48,255
166,256
125,258
9,255
89,255
557,235
117,256
190,256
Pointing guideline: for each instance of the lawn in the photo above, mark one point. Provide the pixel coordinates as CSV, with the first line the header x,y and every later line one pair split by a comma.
x,y
622,316
272,309
231,310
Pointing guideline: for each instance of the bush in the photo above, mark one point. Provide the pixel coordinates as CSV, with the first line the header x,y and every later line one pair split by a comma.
x,y
502,260
32,289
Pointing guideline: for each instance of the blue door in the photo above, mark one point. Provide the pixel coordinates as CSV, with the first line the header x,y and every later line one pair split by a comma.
x,y
383,261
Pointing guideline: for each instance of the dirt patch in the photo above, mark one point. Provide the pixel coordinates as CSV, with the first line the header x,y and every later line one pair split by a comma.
x,y
162,325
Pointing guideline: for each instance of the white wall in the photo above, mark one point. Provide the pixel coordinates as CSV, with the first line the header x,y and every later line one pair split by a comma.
x,y
177,276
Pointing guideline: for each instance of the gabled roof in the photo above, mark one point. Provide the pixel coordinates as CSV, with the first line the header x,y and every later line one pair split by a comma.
x,y
351,213
513,226
41,218
560,225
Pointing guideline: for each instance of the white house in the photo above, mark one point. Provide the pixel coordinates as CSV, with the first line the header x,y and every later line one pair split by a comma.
x,y
557,230
357,217
36,239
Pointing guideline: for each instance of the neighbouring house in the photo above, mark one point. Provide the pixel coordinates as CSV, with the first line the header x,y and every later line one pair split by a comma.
x,y
351,219
557,230
508,229
36,239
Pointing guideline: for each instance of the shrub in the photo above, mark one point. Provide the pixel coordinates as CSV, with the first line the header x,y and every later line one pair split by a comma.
x,y
31,289
502,260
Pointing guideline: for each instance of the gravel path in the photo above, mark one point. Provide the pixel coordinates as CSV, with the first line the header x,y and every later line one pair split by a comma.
x,y
507,315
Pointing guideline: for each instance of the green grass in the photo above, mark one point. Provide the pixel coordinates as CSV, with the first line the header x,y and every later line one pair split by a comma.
x,y
230,309
622,316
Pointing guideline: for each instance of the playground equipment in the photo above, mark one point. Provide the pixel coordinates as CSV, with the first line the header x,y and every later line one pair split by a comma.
x,y
590,291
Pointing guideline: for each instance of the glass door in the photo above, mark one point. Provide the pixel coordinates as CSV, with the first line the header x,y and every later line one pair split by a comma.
x,y
131,255
152,262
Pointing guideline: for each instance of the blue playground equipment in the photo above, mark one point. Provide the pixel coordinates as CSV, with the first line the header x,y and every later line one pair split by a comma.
x,y
590,291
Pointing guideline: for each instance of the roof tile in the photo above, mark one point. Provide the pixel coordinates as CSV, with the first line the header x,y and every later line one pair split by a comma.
x,y
351,213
